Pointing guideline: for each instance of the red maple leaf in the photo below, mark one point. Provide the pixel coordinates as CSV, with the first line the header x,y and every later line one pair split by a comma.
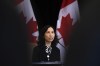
x,y
31,28
65,29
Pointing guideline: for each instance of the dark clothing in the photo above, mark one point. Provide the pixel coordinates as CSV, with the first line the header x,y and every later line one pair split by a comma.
x,y
39,54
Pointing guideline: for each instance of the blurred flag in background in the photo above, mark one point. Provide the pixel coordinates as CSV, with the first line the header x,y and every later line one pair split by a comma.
x,y
68,16
26,13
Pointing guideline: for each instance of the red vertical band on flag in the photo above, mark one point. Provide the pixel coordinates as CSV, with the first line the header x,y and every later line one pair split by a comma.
x,y
66,2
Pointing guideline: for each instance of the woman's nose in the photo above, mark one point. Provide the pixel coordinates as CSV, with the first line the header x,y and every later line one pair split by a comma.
x,y
51,34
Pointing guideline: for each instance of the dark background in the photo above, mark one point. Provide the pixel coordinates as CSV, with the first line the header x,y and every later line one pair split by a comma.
x,y
84,47
46,11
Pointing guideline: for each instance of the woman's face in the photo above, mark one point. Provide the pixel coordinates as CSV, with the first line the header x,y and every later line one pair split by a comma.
x,y
49,35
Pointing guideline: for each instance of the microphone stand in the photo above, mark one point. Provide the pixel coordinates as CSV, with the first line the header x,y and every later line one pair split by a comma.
x,y
61,44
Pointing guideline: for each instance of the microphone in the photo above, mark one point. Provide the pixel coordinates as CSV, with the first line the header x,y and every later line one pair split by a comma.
x,y
60,43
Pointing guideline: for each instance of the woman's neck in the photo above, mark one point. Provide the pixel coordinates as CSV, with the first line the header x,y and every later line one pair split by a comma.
x,y
48,44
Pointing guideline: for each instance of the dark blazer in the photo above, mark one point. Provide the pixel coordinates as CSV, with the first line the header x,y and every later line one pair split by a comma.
x,y
39,54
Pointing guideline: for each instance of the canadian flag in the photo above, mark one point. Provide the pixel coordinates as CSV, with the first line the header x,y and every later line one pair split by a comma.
x,y
68,16
26,13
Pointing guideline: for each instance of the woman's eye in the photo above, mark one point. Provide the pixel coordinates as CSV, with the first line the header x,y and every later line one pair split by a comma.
x,y
48,32
52,32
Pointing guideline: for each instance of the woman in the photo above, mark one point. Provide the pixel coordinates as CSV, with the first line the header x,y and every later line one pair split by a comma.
x,y
46,49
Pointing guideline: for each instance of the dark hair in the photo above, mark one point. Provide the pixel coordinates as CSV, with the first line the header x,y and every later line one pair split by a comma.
x,y
41,39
